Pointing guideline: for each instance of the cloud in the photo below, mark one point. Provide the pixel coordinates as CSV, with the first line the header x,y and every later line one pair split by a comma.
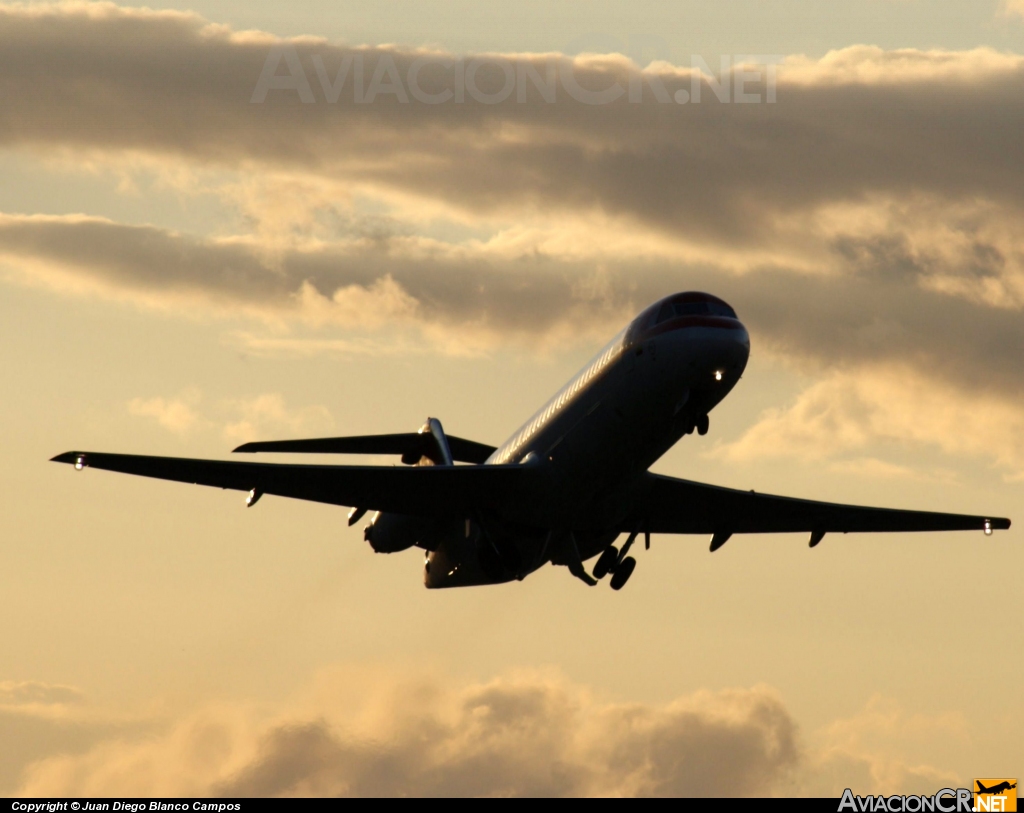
x,y
520,735
372,731
849,413
267,413
872,750
1013,8
176,414
839,178
871,65
470,292
884,306
39,720
240,419
106,78
29,692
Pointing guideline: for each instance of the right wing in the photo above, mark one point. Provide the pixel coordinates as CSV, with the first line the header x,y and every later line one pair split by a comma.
x,y
411,445
429,491
678,506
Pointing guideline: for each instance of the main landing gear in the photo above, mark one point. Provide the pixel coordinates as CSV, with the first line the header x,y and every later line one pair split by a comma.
x,y
616,562
609,563
606,562
622,572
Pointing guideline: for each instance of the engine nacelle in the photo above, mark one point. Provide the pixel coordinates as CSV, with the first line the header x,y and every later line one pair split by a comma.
x,y
390,533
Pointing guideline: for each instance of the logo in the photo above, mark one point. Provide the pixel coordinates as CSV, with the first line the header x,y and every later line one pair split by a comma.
x,y
999,795
946,800
990,796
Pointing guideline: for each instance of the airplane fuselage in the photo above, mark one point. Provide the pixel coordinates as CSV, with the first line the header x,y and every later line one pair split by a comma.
x,y
657,380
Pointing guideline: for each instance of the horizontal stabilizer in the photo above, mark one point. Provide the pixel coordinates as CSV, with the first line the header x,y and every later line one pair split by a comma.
x,y
672,506
410,445
427,491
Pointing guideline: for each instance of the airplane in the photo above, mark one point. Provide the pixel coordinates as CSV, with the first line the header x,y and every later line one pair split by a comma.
x,y
569,482
1002,787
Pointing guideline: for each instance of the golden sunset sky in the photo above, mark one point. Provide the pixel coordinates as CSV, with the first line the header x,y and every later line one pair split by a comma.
x,y
185,266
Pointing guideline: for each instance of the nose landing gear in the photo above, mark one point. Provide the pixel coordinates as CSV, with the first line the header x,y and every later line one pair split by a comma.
x,y
700,423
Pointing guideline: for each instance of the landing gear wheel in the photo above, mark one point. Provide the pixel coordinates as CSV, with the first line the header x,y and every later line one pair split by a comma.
x,y
606,562
623,572
703,422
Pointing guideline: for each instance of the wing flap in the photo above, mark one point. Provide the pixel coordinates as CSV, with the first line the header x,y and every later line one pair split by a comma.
x,y
432,491
685,507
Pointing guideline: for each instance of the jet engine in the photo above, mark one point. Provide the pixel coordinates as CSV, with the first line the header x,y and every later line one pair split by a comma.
x,y
390,533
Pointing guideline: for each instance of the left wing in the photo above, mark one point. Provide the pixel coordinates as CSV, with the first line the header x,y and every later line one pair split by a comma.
x,y
429,491
673,506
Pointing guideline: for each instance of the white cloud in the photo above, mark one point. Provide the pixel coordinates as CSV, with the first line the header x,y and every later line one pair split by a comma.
x,y
871,65
524,734
268,414
39,720
1013,7
239,419
877,750
853,412
179,414
379,732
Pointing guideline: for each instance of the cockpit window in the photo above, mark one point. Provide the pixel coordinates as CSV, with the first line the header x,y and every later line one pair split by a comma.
x,y
671,310
698,308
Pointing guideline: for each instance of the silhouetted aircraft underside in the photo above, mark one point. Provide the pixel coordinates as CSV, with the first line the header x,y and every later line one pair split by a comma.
x,y
569,482
1001,787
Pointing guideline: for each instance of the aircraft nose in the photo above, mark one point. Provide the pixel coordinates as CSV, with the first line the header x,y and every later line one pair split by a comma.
x,y
742,340
739,346
731,338
726,352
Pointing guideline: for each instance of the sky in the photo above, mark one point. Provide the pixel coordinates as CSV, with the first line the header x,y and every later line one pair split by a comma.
x,y
209,235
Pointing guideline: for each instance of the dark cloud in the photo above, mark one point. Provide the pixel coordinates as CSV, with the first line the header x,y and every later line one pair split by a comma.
x,y
936,124
528,296
824,320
